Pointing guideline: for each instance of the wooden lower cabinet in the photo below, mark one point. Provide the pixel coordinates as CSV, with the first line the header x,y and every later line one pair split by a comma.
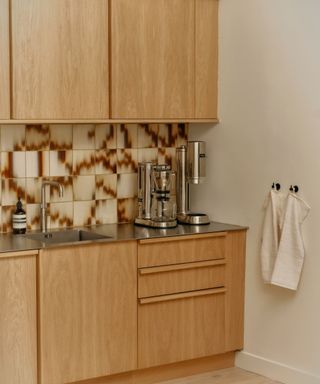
x,y
18,325
87,311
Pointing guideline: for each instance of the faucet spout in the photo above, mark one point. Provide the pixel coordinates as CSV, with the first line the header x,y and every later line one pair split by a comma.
x,y
44,214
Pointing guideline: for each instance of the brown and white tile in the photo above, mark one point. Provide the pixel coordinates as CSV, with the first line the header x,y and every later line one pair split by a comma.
x,y
168,135
33,217
127,185
127,135
84,213
67,184
148,154
61,215
6,217
83,162
37,163
60,163
148,135
167,156
33,190
183,132
37,137
127,210
106,211
106,136
106,187
106,161
84,136
13,164
84,188
13,138
127,160
60,136
11,190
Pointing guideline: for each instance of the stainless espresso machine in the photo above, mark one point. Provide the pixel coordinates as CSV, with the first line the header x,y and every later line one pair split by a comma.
x,y
156,208
191,162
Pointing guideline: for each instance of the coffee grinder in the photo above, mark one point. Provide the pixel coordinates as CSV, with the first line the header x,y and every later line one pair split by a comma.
x,y
191,163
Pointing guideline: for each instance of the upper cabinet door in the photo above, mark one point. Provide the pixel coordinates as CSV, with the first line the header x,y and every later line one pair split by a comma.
x,y
206,59
60,59
153,59
4,60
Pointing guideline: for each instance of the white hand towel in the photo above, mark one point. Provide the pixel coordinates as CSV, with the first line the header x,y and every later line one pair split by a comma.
x,y
274,209
290,258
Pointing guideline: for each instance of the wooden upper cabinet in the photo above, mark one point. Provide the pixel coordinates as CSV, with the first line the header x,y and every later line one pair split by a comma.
x,y
206,59
153,59
4,60
60,59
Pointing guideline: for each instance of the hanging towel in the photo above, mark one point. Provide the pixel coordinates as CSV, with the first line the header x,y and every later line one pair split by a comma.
x,y
274,209
290,258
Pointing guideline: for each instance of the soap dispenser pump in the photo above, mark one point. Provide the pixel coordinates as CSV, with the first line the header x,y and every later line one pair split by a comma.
x,y
19,219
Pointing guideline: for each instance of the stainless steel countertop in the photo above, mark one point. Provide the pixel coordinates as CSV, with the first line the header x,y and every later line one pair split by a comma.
x,y
118,232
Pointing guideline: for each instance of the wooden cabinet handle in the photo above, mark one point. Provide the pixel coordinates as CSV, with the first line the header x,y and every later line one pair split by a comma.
x,y
178,267
182,238
184,295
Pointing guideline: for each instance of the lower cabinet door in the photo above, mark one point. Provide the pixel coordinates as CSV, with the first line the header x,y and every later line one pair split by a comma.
x,y
88,311
181,326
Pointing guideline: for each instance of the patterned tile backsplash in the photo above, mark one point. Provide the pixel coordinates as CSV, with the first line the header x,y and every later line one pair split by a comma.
x,y
96,163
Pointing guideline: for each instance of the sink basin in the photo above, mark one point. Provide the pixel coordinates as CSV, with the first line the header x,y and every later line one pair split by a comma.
x,y
67,236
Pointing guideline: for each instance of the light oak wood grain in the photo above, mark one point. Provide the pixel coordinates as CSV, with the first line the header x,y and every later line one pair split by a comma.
x,y
156,374
189,277
4,255
18,321
88,311
206,81
100,121
153,59
4,60
60,59
178,330
181,249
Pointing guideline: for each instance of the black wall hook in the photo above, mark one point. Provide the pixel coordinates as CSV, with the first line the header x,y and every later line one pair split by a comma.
x,y
276,186
294,188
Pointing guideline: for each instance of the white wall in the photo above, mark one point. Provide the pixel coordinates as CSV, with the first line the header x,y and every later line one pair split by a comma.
x,y
269,131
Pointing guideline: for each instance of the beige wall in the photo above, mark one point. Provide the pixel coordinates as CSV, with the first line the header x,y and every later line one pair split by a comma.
x,y
269,131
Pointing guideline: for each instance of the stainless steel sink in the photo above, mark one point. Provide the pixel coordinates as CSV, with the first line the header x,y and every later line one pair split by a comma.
x,y
67,236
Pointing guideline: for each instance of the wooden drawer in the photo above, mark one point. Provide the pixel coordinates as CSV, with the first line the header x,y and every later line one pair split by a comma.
x,y
181,249
154,281
181,327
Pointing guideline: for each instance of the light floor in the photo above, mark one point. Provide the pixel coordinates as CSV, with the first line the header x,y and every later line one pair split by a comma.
x,y
225,376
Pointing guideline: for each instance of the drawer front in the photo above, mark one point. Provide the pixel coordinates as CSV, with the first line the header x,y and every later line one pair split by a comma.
x,y
181,327
177,278
183,249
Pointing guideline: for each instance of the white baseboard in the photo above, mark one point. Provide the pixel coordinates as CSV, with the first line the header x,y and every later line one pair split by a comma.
x,y
274,370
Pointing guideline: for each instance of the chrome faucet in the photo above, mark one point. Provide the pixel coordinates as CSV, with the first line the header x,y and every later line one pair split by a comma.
x,y
44,205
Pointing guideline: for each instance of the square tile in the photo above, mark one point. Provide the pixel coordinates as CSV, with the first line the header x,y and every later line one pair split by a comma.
x,y
127,210
11,190
127,160
106,211
183,132
37,137
106,187
61,215
148,154
6,217
106,136
33,190
167,156
60,163
13,138
84,213
37,163
67,184
84,162
168,135
60,136
106,161
33,217
84,136
13,164
127,185
148,135
127,135
84,188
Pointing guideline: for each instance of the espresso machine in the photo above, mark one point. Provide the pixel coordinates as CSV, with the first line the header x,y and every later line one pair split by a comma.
x,y
156,209
191,162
